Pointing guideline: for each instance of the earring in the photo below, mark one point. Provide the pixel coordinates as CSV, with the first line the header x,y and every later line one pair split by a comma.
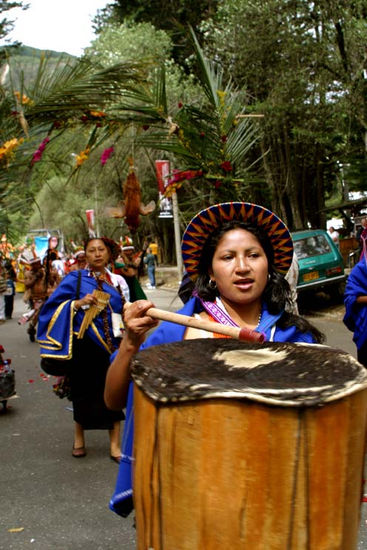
x,y
212,284
269,276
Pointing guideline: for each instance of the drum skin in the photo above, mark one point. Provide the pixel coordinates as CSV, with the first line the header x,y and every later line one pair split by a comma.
x,y
237,473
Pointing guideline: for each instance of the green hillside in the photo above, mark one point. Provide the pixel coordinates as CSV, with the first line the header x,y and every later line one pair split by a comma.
x,y
24,63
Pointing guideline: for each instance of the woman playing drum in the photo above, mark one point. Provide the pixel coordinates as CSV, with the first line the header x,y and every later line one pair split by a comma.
x,y
236,255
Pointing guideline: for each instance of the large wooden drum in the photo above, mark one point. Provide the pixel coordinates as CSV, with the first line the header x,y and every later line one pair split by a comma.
x,y
248,446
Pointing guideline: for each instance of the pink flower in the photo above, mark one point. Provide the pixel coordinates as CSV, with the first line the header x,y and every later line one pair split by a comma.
x,y
38,154
106,155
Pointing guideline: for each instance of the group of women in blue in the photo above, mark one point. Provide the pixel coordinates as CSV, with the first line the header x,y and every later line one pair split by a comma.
x,y
236,256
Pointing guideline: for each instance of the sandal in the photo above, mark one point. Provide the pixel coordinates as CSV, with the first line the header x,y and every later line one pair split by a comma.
x,y
116,459
79,452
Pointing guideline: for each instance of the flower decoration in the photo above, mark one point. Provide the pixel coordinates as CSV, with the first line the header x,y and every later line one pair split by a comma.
x,y
226,166
177,179
83,156
97,114
37,156
24,100
8,148
106,155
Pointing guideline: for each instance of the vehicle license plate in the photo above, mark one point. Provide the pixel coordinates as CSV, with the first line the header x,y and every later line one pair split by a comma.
x,y
311,276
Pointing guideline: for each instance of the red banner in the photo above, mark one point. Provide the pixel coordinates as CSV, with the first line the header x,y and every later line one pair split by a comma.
x,y
163,170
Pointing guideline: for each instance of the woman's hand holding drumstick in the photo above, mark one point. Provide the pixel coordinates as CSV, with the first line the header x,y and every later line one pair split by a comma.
x,y
209,326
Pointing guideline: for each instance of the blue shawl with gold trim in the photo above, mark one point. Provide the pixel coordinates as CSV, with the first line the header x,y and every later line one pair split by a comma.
x,y
59,322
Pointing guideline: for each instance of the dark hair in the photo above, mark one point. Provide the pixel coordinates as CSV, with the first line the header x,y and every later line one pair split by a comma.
x,y
110,244
277,293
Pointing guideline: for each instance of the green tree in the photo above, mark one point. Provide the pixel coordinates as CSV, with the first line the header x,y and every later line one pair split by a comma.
x,y
6,24
292,57
174,17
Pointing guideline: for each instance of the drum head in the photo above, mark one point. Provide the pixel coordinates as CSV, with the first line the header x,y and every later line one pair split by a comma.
x,y
273,373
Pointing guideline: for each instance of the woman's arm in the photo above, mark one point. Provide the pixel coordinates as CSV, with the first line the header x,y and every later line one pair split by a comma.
x,y
361,300
136,324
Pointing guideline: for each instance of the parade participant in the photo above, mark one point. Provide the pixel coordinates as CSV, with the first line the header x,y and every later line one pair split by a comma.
x,y
2,291
355,301
236,255
80,261
10,289
62,320
127,265
36,293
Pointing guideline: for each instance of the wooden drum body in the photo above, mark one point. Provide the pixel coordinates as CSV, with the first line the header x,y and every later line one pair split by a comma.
x,y
248,446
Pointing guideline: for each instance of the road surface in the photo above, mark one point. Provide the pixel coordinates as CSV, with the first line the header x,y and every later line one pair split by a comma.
x,y
50,500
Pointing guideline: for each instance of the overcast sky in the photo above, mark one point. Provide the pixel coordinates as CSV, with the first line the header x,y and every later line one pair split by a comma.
x,y
60,25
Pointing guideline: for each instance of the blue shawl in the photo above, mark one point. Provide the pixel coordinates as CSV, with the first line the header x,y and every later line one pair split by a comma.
x,y
355,317
58,321
121,501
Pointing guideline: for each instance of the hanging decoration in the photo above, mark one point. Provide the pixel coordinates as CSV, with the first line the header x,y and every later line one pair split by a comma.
x,y
131,206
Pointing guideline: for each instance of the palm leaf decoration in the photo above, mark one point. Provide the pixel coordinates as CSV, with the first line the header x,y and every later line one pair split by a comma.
x,y
213,137
210,135
58,97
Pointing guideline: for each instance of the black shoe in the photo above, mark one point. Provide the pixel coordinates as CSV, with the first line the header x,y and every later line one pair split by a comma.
x,y
32,334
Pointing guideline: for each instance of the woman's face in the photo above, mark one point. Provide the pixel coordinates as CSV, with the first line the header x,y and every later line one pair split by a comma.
x,y
97,254
239,267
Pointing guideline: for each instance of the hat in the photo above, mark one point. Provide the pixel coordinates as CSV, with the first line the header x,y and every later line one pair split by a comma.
x,y
127,244
204,223
78,253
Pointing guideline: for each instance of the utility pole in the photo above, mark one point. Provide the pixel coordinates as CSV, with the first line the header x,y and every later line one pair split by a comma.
x,y
176,225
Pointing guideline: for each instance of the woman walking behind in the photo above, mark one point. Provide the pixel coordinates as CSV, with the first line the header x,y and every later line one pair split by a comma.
x,y
60,333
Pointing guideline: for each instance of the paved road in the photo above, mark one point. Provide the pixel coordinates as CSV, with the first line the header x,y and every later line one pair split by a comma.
x,y
54,501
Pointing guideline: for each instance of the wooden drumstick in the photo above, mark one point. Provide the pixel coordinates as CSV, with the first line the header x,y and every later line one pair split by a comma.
x,y
233,332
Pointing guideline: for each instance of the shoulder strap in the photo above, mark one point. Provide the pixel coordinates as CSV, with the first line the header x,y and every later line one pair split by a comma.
x,y
78,284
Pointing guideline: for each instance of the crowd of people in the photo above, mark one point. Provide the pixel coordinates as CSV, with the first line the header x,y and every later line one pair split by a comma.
x,y
60,292
36,275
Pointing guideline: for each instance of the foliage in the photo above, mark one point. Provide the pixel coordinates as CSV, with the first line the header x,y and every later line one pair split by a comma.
x,y
117,43
302,63
6,25
172,17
